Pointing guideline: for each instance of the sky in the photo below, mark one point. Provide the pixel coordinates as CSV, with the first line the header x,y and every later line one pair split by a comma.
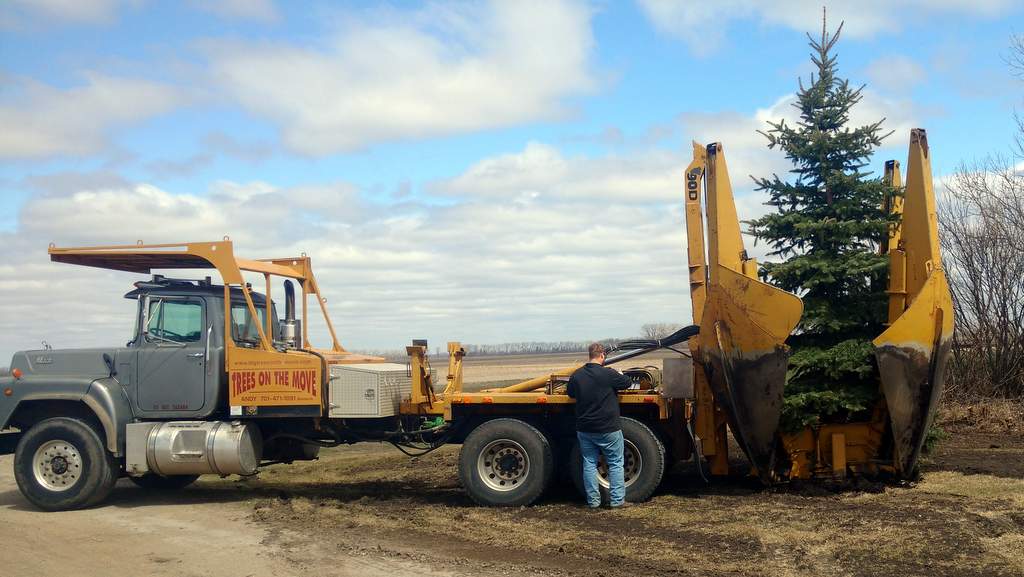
x,y
486,172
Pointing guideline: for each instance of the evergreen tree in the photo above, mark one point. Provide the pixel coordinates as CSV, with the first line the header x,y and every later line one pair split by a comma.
x,y
827,226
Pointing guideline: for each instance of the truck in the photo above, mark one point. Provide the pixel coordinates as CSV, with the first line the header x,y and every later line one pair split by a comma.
x,y
216,379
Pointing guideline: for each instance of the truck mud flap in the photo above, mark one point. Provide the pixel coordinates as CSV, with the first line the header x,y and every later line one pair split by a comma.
x,y
9,441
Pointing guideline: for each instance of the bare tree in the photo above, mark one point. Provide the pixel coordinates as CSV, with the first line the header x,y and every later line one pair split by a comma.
x,y
1016,57
981,218
658,330
983,246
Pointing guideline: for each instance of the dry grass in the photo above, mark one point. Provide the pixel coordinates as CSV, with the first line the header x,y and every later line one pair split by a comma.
x,y
514,368
999,416
975,487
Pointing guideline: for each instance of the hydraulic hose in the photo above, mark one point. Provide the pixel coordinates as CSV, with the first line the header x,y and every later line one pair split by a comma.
x,y
637,347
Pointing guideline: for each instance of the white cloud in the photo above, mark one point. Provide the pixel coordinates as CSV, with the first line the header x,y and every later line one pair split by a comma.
x,y
440,71
895,73
534,244
480,269
74,11
540,171
255,10
41,120
747,150
703,25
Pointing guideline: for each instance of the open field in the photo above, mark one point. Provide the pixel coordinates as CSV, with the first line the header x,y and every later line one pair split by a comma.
x,y
501,370
369,510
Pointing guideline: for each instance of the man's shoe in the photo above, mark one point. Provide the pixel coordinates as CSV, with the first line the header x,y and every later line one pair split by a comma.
x,y
623,505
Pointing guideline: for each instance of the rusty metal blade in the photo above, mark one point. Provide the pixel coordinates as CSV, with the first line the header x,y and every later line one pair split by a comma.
x,y
743,330
912,356
912,353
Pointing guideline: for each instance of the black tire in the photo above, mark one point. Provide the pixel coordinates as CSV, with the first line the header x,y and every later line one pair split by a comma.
x,y
63,452
563,461
649,456
505,463
156,482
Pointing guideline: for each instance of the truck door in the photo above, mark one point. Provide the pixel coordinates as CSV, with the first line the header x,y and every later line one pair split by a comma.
x,y
173,353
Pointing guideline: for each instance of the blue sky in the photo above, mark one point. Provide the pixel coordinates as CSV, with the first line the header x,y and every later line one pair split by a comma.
x,y
490,172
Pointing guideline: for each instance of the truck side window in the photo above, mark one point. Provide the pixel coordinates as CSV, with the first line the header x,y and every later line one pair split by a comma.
x,y
179,321
243,325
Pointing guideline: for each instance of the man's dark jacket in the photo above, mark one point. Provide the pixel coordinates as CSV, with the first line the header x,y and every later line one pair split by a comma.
x,y
597,406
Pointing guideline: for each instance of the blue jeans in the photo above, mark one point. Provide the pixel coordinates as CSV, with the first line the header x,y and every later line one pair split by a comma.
x,y
592,446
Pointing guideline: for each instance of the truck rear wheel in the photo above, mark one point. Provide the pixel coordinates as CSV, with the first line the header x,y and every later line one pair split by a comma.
x,y
505,463
644,462
161,483
61,464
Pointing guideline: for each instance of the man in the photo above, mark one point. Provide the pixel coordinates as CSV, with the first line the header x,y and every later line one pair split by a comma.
x,y
598,427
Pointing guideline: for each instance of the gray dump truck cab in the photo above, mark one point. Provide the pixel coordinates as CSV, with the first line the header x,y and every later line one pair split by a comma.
x,y
172,369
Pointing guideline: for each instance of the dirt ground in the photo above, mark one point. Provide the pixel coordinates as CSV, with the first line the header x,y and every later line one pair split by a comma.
x,y
207,529
368,510
966,517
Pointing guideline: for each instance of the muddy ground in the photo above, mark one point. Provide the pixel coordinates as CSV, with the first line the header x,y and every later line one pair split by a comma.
x,y
368,510
965,517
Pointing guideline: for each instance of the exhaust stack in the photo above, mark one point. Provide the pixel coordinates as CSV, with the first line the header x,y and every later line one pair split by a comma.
x,y
291,328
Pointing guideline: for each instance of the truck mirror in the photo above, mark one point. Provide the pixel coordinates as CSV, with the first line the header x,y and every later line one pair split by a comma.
x,y
109,361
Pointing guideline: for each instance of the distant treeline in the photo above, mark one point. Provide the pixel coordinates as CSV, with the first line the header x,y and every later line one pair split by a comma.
x,y
647,331
525,348
4,371
530,348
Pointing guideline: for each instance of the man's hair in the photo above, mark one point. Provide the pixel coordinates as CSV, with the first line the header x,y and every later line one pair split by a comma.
x,y
595,350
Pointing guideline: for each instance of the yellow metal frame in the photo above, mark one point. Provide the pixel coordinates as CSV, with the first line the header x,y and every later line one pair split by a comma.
x,y
710,422
260,376
542,392
744,322
911,352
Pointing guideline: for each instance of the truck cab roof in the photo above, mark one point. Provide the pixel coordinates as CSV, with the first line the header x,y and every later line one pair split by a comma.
x,y
160,285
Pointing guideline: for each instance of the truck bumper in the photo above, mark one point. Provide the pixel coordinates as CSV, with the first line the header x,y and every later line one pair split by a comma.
x,y
8,441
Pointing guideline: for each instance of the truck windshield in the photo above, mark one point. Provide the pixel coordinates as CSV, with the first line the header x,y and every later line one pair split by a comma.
x,y
242,326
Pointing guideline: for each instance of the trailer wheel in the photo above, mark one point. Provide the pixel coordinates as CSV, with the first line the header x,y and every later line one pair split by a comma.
x,y
62,464
644,462
505,463
156,482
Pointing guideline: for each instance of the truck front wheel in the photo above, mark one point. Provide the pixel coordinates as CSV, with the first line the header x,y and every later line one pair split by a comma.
x,y
61,464
505,463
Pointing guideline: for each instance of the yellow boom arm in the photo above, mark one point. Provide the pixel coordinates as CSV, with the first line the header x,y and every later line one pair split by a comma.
x,y
912,353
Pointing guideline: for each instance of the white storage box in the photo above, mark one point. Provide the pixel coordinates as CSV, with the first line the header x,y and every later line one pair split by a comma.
x,y
368,389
